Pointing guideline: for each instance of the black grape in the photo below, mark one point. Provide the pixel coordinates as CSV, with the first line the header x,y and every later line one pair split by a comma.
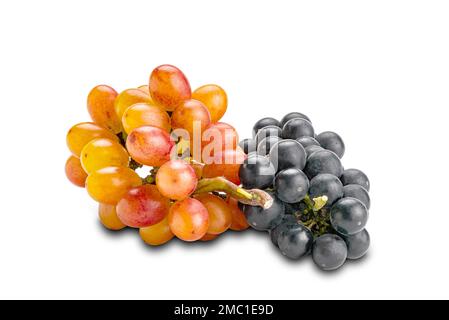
x,y
264,123
308,141
293,115
288,154
311,149
297,128
291,185
265,219
266,144
268,132
323,161
355,176
333,142
275,232
358,192
257,172
295,241
248,145
329,252
349,216
357,244
328,185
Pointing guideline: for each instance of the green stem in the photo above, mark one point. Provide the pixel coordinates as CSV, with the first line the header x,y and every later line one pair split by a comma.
x,y
309,202
254,197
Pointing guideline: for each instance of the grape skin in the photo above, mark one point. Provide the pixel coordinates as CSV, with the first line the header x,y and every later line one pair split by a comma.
x,y
288,154
267,132
214,98
293,115
323,161
169,86
265,219
220,216
108,217
329,252
149,145
128,98
357,244
142,206
82,133
349,216
218,137
176,179
291,185
188,114
308,141
333,142
100,104
355,176
145,114
358,192
297,128
295,241
188,219
110,184
328,185
266,144
265,122
157,234
75,172
288,219
225,164
239,222
101,153
257,172
311,149
248,145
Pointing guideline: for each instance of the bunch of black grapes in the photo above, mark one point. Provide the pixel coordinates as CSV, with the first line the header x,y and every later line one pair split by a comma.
x,y
318,207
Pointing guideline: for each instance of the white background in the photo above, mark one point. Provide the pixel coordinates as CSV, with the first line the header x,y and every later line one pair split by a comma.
x,y
377,72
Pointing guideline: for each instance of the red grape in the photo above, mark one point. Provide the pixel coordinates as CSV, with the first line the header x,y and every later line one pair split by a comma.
x,y
142,206
176,179
149,145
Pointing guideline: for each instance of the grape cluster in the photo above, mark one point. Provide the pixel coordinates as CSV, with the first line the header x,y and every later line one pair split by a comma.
x,y
158,158
319,208
152,128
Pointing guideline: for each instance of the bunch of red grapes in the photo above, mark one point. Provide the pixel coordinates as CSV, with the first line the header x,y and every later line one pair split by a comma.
x,y
185,157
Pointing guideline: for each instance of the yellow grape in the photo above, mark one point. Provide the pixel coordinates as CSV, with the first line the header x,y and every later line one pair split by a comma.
x,y
129,97
145,88
145,114
108,217
102,153
82,133
157,234
225,164
214,98
188,219
75,172
110,184
191,115
209,237
239,222
100,104
220,216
